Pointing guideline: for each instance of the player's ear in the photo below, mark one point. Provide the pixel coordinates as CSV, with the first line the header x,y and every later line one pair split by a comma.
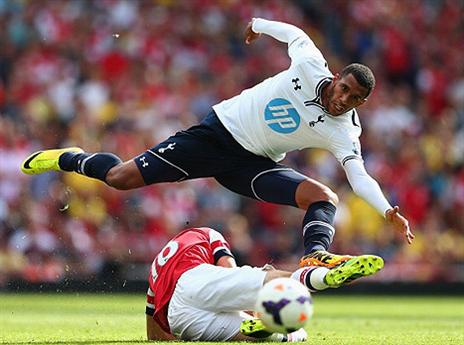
x,y
365,98
336,77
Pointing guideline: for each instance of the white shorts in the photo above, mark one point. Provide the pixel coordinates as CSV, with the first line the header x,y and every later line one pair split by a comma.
x,y
208,300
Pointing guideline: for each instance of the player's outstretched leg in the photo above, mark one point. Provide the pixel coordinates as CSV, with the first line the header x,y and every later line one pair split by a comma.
x,y
94,165
318,224
255,328
317,278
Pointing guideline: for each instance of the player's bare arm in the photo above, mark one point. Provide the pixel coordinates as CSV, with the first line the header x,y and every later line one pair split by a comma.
x,y
154,331
226,261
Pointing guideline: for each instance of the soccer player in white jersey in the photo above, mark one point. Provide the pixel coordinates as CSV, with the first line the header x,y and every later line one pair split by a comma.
x,y
241,141
197,293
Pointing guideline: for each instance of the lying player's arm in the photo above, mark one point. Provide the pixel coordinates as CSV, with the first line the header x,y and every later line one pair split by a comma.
x,y
226,261
154,331
221,250
368,189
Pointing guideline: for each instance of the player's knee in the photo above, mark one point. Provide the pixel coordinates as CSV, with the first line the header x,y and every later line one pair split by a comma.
x,y
125,176
326,194
331,196
118,177
319,192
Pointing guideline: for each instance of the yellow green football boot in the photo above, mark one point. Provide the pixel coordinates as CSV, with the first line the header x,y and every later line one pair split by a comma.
x,y
46,160
356,267
254,328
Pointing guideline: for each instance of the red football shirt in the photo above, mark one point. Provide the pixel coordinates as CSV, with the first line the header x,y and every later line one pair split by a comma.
x,y
189,249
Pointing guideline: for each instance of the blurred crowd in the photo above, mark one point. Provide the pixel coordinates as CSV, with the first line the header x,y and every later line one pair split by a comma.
x,y
122,75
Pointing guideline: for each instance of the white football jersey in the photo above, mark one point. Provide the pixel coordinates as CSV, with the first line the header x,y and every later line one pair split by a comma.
x,y
284,113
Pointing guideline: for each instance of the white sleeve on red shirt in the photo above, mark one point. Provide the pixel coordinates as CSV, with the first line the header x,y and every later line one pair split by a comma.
x,y
219,245
365,186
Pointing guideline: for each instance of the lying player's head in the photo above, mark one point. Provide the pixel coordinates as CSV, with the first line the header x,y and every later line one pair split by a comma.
x,y
349,89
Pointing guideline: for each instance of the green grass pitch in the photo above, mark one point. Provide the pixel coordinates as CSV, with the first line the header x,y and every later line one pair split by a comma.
x,y
119,319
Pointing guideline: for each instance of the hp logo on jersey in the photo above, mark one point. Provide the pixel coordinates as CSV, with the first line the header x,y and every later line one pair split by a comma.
x,y
281,116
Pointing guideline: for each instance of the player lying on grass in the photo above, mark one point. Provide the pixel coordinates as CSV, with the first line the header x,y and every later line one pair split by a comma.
x,y
242,139
197,292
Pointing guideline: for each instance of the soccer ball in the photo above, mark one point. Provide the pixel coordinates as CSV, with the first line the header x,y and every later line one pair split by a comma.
x,y
284,305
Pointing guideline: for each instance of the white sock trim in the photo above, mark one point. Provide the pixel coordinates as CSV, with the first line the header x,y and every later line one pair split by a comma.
x,y
318,222
81,166
317,278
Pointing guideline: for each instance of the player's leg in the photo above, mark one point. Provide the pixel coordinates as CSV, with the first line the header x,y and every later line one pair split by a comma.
x,y
222,289
318,278
208,300
200,309
155,165
318,233
271,182
199,151
320,203
229,285
204,325
103,166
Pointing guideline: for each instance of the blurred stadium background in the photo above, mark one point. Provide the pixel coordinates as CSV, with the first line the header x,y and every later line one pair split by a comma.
x,y
120,76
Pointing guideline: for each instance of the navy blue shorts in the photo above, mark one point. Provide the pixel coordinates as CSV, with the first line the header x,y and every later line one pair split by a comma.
x,y
209,150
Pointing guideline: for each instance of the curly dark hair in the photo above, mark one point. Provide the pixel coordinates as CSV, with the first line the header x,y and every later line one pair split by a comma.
x,y
362,74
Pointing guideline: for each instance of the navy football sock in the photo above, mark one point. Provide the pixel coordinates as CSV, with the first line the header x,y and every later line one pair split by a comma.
x,y
318,229
94,165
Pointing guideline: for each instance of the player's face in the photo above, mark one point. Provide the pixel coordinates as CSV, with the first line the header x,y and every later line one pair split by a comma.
x,y
345,94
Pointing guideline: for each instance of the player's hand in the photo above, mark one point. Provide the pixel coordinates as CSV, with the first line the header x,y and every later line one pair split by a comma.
x,y
400,223
250,35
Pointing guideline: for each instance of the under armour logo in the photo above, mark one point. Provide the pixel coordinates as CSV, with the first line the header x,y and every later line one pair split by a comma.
x,y
320,118
144,163
169,147
297,86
